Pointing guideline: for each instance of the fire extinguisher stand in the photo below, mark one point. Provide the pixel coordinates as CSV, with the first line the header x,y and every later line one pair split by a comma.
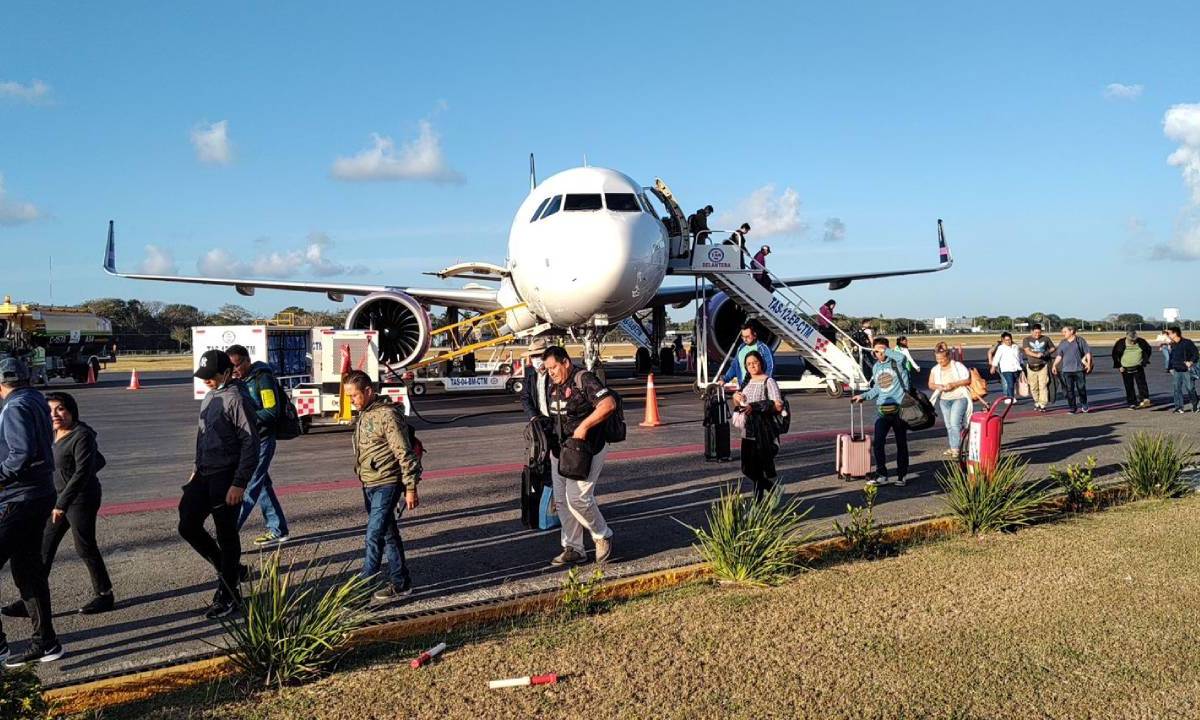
x,y
982,437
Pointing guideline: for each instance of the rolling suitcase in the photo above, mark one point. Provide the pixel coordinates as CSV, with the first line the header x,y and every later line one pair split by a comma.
x,y
716,426
853,458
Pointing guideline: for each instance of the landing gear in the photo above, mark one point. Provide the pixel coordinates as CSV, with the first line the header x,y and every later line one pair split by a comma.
x,y
591,350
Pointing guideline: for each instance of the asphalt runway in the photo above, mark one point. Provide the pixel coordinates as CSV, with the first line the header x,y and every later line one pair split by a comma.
x,y
465,542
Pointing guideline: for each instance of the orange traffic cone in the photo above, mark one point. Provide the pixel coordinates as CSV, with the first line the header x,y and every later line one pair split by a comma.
x,y
134,383
651,404
91,378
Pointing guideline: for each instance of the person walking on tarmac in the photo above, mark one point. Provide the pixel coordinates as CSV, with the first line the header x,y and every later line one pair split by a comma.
x,y
77,459
535,380
1073,362
1184,357
1131,354
737,368
889,383
579,404
753,408
266,395
386,459
227,448
26,501
1038,349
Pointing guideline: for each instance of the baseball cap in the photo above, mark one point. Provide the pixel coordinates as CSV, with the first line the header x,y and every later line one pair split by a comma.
x,y
13,370
213,363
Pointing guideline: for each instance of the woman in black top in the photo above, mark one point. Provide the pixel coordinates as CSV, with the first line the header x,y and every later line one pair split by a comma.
x,y
76,462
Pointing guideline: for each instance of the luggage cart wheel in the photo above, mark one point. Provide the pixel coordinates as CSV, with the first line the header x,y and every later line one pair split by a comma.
x,y
418,389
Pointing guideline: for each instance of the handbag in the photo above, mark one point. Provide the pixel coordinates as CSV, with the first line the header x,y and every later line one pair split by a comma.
x,y
916,411
574,459
978,386
1022,386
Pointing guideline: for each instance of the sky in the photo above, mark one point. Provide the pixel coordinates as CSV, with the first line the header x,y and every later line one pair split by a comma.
x,y
370,143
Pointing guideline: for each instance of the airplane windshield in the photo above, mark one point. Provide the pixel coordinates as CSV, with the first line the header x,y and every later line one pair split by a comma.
x,y
582,202
555,204
538,212
622,202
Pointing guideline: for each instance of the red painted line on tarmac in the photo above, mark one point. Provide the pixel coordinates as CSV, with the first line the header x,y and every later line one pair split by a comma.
x,y
141,506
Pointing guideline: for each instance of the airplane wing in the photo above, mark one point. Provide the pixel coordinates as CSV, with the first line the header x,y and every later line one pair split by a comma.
x,y
680,295
477,298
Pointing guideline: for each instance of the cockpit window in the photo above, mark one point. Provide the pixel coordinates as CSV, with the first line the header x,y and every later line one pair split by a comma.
x,y
555,204
538,212
622,202
588,201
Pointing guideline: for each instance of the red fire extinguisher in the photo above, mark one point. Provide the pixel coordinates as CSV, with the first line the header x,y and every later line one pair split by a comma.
x,y
982,436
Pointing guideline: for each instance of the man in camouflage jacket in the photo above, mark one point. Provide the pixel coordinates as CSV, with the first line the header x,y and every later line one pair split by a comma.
x,y
384,459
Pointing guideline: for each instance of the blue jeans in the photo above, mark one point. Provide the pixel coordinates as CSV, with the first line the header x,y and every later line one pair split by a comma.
x,y
382,532
1166,353
1075,384
1183,386
1008,383
955,414
259,491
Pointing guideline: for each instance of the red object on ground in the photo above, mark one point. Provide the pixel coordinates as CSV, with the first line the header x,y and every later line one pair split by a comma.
x,y
652,419
550,679
91,378
134,383
428,655
983,437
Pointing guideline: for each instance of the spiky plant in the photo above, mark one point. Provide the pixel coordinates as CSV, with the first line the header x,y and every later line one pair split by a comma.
x,y
1154,465
753,542
990,499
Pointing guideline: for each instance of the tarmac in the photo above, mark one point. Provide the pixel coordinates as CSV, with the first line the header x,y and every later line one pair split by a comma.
x,y
465,542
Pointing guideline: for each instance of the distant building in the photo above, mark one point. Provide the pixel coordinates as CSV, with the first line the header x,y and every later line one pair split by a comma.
x,y
953,324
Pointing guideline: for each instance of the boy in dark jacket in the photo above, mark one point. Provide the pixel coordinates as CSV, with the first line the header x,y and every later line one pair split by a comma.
x,y
1182,365
226,457
268,398
26,500
1131,355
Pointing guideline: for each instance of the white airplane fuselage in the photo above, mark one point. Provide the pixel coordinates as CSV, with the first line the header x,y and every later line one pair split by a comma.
x,y
586,245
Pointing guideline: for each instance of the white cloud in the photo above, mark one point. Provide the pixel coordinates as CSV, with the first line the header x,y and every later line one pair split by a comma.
x,y
1119,91
417,159
212,143
16,212
35,93
835,230
1182,124
158,261
768,214
311,259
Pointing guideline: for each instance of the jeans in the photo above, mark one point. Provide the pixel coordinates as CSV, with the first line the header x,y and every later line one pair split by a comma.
x,y
955,414
80,519
202,497
1075,384
1008,383
259,491
1183,386
1135,378
892,422
384,534
1166,353
21,526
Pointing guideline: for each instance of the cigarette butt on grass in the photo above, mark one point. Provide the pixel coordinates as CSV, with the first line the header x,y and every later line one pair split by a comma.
x,y
526,681
428,655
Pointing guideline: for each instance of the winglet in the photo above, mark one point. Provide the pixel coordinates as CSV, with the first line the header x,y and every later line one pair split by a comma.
x,y
110,253
945,259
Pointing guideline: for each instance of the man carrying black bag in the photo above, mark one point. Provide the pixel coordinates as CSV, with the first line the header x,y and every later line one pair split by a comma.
x,y
579,406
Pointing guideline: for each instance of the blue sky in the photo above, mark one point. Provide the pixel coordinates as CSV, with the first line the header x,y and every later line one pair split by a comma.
x,y
882,117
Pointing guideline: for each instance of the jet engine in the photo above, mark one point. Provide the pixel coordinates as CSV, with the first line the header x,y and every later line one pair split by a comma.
x,y
725,324
403,326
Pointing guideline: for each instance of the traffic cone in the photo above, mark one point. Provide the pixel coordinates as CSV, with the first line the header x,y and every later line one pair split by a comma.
x,y
134,383
91,378
651,404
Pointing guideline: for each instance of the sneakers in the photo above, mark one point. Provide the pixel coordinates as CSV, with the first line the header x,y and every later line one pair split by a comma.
x,y
569,556
1180,411
222,607
878,481
1084,409
270,538
16,608
98,604
35,653
900,482
603,550
391,592
1144,404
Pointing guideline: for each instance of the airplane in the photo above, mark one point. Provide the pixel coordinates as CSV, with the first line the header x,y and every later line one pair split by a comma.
x,y
586,249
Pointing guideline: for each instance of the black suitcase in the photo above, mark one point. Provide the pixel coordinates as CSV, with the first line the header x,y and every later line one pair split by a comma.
x,y
716,427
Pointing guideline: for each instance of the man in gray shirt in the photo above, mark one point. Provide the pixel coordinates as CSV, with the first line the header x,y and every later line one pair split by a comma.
x,y
1073,362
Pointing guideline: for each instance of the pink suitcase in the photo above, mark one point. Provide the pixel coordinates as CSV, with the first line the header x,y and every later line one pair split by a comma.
x,y
854,459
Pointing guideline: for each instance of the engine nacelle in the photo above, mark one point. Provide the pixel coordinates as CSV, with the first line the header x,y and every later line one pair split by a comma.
x,y
725,321
403,326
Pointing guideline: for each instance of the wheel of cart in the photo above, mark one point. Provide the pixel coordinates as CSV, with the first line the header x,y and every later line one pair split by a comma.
x,y
516,386
418,389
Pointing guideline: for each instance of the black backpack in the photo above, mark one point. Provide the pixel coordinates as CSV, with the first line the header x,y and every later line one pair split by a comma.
x,y
614,424
288,425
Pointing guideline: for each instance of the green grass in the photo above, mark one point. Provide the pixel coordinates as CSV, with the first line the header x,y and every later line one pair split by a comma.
x,y
1090,617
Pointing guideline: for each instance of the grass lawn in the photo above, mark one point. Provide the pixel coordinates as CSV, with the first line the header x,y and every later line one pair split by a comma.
x,y
1093,617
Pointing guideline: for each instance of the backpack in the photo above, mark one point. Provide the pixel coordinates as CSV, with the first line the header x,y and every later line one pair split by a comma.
x,y
288,425
614,424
